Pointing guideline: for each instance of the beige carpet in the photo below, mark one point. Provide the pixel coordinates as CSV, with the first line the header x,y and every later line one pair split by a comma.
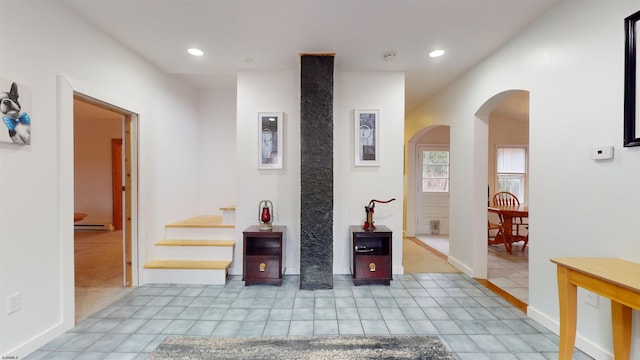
x,y
98,271
418,257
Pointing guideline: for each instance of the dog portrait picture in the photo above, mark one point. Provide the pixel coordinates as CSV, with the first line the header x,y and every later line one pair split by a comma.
x,y
14,102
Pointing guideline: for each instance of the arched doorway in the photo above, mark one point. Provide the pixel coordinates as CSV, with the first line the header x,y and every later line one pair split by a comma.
x,y
507,118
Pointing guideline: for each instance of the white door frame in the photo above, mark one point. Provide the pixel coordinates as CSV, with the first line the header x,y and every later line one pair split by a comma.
x,y
66,89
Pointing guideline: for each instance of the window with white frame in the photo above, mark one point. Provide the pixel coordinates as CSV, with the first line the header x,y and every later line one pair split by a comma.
x,y
511,170
435,171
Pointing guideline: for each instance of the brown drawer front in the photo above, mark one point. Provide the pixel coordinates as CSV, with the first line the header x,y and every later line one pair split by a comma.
x,y
380,263
269,264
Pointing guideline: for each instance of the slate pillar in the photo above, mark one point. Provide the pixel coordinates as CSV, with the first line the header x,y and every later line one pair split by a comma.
x,y
316,144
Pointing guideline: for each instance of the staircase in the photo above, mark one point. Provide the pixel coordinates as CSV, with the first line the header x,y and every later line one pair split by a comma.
x,y
198,250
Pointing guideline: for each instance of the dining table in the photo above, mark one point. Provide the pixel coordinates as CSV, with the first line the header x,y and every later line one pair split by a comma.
x,y
507,214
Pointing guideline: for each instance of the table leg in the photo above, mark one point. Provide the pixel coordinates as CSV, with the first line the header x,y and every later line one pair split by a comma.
x,y
568,297
621,321
507,224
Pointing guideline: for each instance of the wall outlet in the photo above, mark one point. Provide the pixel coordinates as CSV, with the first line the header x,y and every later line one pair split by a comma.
x,y
14,303
591,298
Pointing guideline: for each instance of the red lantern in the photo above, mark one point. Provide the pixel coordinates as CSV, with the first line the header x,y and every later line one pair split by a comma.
x,y
265,209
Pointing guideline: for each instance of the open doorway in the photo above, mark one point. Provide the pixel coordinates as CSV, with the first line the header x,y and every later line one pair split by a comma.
x,y
508,170
102,186
428,188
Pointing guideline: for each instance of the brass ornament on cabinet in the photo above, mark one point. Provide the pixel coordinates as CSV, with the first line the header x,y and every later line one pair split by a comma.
x,y
372,267
263,267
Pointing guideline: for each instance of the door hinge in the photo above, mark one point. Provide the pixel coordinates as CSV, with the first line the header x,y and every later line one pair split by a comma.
x,y
123,189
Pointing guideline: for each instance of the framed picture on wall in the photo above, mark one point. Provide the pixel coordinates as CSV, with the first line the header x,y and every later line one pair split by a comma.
x,y
270,140
15,107
631,74
367,138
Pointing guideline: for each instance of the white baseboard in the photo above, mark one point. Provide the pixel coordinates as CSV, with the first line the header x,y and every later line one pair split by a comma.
x,y
460,266
398,270
582,343
37,341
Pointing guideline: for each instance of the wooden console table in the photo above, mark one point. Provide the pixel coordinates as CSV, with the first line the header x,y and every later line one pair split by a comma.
x,y
616,279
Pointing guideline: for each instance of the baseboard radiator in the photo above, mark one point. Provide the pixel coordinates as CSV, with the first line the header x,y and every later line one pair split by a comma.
x,y
94,227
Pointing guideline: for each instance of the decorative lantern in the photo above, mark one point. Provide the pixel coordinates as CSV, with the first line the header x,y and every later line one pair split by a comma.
x,y
265,217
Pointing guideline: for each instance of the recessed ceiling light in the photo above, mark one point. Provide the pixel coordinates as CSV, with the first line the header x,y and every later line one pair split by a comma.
x,y
436,53
195,52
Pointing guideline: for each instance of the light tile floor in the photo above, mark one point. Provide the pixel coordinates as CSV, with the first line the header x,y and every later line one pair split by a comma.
x,y
510,272
473,322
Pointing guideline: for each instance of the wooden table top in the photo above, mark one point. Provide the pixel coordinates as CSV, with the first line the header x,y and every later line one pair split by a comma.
x,y
621,272
520,210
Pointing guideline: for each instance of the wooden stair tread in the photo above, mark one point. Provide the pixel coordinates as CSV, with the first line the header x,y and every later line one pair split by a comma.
x,y
188,264
203,221
180,242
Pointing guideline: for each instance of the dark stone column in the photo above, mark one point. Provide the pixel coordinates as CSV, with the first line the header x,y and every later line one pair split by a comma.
x,y
316,144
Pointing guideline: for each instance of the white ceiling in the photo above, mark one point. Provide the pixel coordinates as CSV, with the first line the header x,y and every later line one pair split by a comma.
x,y
272,33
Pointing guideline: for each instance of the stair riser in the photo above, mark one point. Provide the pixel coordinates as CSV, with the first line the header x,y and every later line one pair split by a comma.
x,y
200,233
228,216
194,252
185,276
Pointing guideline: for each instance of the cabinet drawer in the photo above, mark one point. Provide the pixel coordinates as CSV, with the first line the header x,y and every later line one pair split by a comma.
x,y
363,268
262,267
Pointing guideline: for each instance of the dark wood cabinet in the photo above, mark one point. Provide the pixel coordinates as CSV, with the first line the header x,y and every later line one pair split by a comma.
x,y
371,255
263,255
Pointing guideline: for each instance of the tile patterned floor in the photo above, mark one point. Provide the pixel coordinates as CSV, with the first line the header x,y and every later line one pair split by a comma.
x,y
510,272
472,321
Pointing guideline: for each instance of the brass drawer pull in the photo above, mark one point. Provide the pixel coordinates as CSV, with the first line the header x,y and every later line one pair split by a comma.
x,y
263,267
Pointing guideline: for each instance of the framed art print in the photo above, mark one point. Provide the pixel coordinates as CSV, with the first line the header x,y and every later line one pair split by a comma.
x,y
15,107
270,140
631,74
367,138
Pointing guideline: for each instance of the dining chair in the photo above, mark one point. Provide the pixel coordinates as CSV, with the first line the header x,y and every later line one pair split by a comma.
x,y
494,229
505,198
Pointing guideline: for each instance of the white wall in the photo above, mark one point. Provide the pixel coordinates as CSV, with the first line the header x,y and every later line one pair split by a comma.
x,y
571,61
92,167
217,150
268,92
62,45
353,187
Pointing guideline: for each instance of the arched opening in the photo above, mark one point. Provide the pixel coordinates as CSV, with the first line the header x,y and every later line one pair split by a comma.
x,y
506,116
427,202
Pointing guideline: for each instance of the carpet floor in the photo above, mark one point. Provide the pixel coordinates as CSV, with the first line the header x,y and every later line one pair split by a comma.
x,y
417,257
98,271
308,348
